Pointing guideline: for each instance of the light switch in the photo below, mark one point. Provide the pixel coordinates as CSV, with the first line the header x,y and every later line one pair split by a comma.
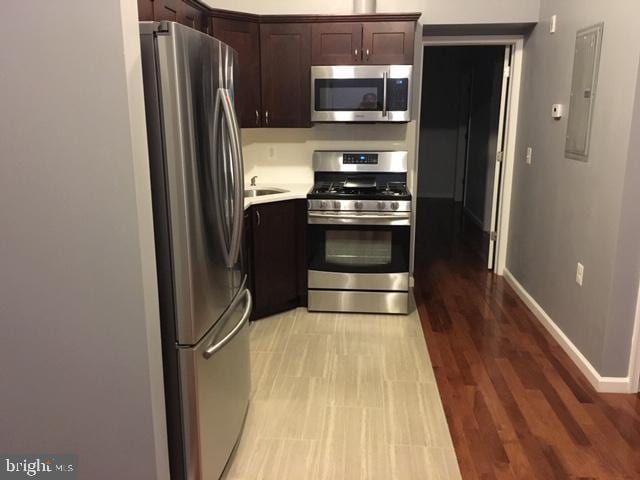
x,y
579,273
552,23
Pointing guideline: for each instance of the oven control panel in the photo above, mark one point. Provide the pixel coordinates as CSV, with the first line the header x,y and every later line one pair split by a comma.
x,y
360,159
360,205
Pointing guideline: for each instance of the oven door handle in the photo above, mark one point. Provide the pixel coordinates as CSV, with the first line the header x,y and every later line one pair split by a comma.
x,y
358,219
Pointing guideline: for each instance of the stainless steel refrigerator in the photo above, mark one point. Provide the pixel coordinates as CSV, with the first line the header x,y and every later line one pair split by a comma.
x,y
197,192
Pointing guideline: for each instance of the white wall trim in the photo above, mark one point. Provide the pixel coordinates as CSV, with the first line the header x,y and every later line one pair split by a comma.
x,y
600,383
511,130
634,363
141,174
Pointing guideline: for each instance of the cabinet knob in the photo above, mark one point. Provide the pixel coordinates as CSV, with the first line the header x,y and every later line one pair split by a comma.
x,y
257,118
258,217
366,52
266,117
358,205
355,53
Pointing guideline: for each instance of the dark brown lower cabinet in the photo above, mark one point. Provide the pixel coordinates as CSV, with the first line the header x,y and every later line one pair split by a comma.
x,y
275,250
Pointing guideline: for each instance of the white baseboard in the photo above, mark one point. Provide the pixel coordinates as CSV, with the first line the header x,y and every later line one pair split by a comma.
x,y
600,383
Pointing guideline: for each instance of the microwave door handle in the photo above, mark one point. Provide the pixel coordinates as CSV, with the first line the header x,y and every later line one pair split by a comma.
x,y
238,175
384,94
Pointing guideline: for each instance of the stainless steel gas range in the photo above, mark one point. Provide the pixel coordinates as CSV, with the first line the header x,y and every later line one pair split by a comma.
x,y
359,217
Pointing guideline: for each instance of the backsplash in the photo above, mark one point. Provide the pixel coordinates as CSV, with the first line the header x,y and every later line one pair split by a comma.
x,y
283,155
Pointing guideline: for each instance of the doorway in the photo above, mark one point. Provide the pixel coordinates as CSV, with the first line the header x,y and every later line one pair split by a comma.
x,y
463,118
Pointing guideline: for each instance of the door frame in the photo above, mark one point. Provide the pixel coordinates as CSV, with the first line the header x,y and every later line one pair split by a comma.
x,y
511,129
634,360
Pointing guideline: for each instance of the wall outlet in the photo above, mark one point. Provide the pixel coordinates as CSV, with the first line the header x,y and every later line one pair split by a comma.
x,y
553,22
579,273
556,110
529,155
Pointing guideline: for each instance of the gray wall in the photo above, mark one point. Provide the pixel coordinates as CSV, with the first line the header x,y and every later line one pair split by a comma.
x,y
626,271
80,344
565,211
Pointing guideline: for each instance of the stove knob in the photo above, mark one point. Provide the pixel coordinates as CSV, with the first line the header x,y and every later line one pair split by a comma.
x,y
395,205
381,205
323,204
358,205
336,205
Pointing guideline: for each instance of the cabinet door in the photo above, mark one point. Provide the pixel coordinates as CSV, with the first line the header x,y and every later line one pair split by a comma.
x,y
336,43
388,43
244,38
191,16
274,257
285,65
145,10
166,10
300,222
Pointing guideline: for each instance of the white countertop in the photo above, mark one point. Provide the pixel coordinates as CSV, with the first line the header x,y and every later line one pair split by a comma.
x,y
294,191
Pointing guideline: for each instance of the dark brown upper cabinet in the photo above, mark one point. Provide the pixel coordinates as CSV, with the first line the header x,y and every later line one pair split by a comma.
x,y
166,10
276,52
145,10
388,43
187,13
244,38
374,43
192,17
336,43
285,57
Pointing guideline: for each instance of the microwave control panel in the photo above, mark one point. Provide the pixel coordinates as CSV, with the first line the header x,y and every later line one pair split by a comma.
x,y
397,94
360,159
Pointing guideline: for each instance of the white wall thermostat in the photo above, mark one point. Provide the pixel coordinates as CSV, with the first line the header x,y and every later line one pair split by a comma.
x,y
556,110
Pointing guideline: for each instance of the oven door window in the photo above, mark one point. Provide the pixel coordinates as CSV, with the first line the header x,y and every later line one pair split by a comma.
x,y
349,94
359,249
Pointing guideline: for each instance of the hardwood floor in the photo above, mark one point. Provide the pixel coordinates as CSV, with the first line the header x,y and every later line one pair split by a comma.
x,y
516,406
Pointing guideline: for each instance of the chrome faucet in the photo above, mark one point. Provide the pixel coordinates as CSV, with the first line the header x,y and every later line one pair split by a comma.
x,y
253,181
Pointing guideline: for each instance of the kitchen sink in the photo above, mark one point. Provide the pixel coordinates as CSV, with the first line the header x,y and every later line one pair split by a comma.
x,y
258,192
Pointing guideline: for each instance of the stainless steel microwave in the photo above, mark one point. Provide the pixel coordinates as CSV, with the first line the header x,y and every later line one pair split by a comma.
x,y
361,93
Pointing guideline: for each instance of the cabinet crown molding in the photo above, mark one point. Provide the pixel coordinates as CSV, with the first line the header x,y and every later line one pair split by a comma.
x,y
315,18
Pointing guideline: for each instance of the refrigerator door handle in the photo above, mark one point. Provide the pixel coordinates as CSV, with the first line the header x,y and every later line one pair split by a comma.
x,y
212,349
238,174
217,125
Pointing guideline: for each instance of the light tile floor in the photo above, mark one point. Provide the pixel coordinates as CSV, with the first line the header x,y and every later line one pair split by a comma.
x,y
342,397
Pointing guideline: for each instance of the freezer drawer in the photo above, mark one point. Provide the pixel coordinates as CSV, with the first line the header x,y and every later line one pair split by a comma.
x,y
356,301
215,388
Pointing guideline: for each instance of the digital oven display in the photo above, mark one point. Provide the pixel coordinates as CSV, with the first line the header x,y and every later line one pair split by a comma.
x,y
360,158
